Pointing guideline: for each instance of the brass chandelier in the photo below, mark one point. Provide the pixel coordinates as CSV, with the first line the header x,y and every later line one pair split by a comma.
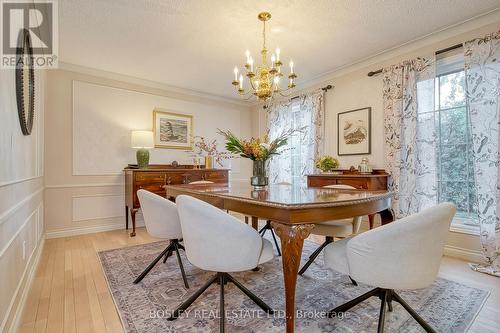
x,y
264,79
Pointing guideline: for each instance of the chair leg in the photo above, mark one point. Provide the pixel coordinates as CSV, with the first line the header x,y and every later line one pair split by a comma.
x,y
151,265
222,315
169,253
250,295
276,243
389,300
381,317
346,306
263,230
193,298
354,281
415,315
179,260
313,256
269,227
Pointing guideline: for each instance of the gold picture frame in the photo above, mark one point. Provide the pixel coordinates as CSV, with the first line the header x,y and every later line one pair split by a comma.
x,y
172,130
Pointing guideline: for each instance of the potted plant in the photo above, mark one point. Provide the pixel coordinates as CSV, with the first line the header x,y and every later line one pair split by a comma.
x,y
258,150
327,163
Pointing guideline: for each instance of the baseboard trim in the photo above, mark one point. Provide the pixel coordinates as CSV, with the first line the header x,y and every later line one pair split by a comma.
x,y
88,230
26,281
464,254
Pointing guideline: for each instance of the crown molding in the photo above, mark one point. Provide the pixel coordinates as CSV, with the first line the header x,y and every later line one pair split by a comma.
x,y
150,84
413,45
447,32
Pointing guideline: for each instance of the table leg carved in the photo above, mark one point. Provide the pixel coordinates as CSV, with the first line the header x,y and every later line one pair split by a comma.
x,y
292,239
132,215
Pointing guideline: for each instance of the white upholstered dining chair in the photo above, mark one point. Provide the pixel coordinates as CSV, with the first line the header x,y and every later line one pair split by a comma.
x,y
335,228
162,221
404,254
218,242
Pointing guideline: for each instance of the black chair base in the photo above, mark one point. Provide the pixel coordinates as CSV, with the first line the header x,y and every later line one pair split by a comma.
x,y
269,227
174,245
316,252
386,296
221,279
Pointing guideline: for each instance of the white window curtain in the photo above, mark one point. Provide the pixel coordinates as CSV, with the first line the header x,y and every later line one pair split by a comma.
x,y
410,135
482,75
306,115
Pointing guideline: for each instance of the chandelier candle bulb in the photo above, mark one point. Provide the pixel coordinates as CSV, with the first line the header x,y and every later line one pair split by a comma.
x,y
278,54
235,73
241,82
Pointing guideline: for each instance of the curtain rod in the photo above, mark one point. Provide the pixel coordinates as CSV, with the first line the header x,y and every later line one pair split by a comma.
x,y
325,89
437,52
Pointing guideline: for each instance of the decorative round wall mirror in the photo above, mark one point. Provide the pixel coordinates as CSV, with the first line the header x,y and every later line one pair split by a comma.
x,y
25,82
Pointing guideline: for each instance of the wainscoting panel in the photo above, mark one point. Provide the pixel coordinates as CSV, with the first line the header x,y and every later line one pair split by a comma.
x,y
98,206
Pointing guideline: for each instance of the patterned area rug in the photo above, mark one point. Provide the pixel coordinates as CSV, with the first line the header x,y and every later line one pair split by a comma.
x,y
448,306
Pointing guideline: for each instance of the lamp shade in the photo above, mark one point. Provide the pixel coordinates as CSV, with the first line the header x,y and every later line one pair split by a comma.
x,y
142,139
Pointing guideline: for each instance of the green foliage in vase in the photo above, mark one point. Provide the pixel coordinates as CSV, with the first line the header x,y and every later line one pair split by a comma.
x,y
327,163
256,149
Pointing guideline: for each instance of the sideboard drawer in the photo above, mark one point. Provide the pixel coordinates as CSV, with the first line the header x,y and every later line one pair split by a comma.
x,y
150,177
357,183
174,178
215,176
151,187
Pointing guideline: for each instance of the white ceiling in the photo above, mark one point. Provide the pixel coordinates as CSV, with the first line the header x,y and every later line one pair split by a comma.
x,y
195,44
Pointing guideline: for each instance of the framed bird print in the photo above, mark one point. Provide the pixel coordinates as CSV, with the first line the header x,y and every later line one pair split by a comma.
x,y
354,132
172,130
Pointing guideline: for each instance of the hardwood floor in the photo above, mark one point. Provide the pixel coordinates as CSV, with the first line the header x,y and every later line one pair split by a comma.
x,y
70,294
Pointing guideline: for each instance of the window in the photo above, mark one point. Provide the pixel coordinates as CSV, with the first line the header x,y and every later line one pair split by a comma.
x,y
295,145
454,162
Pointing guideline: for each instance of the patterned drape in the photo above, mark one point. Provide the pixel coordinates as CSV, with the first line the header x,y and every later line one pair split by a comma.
x,y
279,118
410,137
307,117
482,74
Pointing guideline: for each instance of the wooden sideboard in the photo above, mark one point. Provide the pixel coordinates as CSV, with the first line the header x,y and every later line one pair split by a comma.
x,y
374,181
156,176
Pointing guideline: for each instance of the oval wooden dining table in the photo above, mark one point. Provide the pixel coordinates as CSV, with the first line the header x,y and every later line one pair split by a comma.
x,y
292,209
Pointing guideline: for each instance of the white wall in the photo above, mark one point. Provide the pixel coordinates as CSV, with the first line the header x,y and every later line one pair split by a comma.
x,y
89,118
21,196
353,89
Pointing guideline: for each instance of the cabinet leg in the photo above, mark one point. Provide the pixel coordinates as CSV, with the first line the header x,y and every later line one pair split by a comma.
x,y
126,217
132,214
255,222
371,220
387,216
246,219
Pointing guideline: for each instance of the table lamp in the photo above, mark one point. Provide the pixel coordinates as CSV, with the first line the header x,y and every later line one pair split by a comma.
x,y
142,141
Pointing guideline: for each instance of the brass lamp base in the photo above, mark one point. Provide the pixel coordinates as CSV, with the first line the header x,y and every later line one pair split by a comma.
x,y
142,156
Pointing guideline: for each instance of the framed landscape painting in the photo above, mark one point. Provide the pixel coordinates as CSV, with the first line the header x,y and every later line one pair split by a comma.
x,y
172,130
354,132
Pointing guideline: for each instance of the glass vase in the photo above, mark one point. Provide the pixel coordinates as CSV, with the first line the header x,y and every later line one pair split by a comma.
x,y
259,180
